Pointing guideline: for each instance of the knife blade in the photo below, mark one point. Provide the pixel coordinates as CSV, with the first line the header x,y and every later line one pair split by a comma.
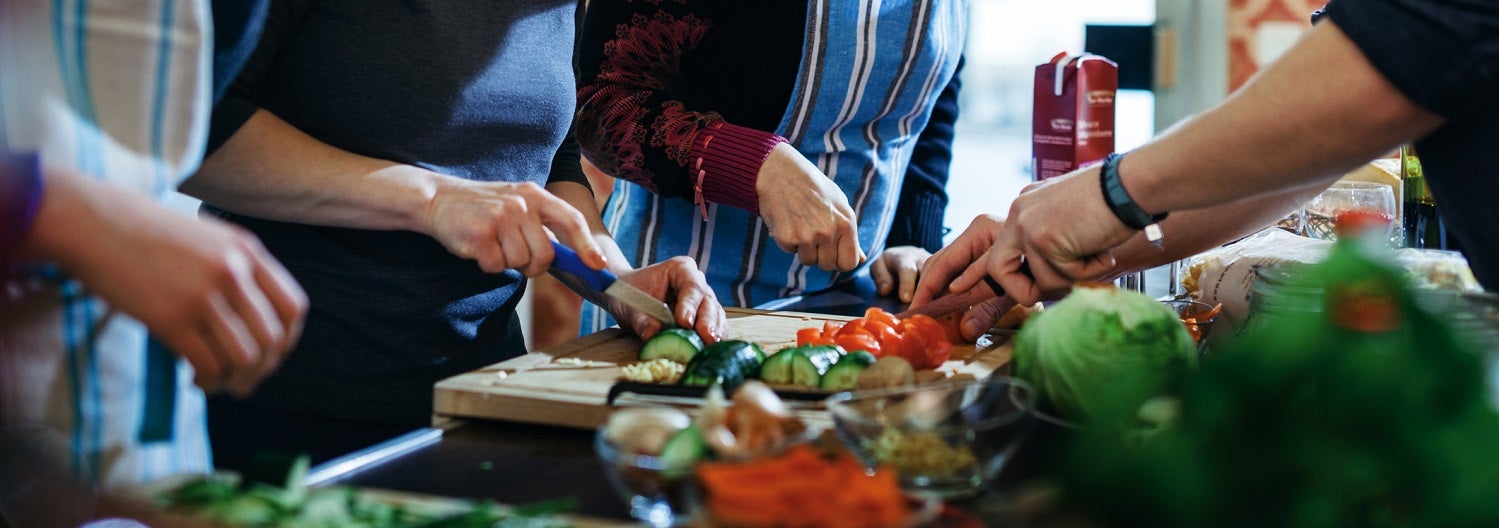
x,y
567,261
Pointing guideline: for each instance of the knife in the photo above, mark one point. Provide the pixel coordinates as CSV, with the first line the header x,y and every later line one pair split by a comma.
x,y
957,302
567,261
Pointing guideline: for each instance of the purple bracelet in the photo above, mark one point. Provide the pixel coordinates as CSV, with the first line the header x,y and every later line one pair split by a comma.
x,y
20,197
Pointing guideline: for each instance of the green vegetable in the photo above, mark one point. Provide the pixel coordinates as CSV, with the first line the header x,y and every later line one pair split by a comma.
x,y
777,368
258,504
677,344
844,375
683,449
1367,412
811,362
1101,352
725,363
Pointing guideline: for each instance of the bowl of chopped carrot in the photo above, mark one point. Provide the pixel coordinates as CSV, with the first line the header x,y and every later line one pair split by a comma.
x,y
805,486
940,439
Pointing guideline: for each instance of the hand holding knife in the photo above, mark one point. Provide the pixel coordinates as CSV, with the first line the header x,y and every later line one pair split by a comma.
x,y
957,302
606,282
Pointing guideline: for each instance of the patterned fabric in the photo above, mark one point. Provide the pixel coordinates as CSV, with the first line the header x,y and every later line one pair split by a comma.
x,y
870,73
117,91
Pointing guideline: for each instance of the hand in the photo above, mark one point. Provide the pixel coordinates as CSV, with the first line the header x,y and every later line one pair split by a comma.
x,y
1062,229
806,212
949,262
678,281
209,291
897,269
965,252
504,225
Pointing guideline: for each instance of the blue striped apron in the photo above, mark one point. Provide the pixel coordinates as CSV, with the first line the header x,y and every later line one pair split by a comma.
x,y
870,74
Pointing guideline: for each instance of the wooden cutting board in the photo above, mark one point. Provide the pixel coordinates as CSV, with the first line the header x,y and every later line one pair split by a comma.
x,y
567,385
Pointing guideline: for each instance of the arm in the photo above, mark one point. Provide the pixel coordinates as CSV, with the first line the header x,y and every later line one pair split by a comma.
x,y
307,181
1318,112
917,229
677,280
210,292
633,127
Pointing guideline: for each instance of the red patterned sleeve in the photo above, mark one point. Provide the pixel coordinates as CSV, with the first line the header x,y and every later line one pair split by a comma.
x,y
630,124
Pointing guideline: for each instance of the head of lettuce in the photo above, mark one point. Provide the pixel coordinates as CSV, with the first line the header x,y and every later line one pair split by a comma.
x,y
1101,352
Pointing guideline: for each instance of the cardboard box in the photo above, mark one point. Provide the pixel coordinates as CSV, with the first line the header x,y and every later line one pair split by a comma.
x,y
1073,120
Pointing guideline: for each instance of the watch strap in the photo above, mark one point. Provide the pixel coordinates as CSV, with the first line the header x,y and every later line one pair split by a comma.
x,y
1119,200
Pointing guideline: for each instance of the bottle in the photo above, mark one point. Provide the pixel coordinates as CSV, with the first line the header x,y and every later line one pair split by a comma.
x,y
1423,227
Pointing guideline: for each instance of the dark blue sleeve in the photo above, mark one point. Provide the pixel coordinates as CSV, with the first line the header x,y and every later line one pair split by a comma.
x,y
923,194
1442,54
242,97
236,29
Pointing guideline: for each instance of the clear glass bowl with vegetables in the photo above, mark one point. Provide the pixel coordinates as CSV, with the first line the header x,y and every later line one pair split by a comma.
x,y
649,453
944,439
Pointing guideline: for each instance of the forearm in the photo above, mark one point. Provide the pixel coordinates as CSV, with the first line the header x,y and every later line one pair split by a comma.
x,y
269,169
1315,114
1190,232
70,212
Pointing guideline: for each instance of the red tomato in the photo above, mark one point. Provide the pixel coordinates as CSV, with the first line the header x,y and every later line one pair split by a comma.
x,y
876,314
853,342
889,340
830,329
807,335
855,326
929,328
913,349
951,325
937,353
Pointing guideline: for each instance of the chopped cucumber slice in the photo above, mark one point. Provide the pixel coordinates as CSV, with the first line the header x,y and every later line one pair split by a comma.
x,y
777,368
725,363
676,344
844,375
683,449
811,362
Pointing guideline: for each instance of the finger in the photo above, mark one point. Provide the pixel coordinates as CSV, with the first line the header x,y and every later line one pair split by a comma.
x,y
970,277
908,271
539,247
517,252
287,298
490,257
981,317
1090,267
880,272
849,253
190,345
827,256
807,254
687,306
712,322
258,315
569,226
230,335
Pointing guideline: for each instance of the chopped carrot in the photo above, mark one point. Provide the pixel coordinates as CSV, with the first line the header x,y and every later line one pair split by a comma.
x,y
802,488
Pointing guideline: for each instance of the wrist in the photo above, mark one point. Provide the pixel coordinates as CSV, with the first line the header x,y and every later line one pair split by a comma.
x,y
726,163
1124,207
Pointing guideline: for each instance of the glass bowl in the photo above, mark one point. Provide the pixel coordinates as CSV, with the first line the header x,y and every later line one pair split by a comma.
x,y
1184,308
942,439
657,494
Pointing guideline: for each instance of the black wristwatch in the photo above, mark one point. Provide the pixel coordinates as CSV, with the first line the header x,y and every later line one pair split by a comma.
x,y
1125,207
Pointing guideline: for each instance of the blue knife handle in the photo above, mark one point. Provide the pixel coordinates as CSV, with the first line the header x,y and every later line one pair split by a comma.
x,y
567,260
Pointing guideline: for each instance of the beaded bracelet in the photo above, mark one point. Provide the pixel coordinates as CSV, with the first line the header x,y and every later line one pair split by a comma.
x,y
21,183
697,188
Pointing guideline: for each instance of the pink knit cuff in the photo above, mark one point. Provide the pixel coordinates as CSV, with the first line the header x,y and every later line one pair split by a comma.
x,y
726,161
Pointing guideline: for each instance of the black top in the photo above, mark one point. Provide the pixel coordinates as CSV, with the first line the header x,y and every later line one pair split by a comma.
x,y
482,91
1444,56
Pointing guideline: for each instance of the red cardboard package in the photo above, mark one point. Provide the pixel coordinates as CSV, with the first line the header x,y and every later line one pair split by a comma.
x,y
1073,123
